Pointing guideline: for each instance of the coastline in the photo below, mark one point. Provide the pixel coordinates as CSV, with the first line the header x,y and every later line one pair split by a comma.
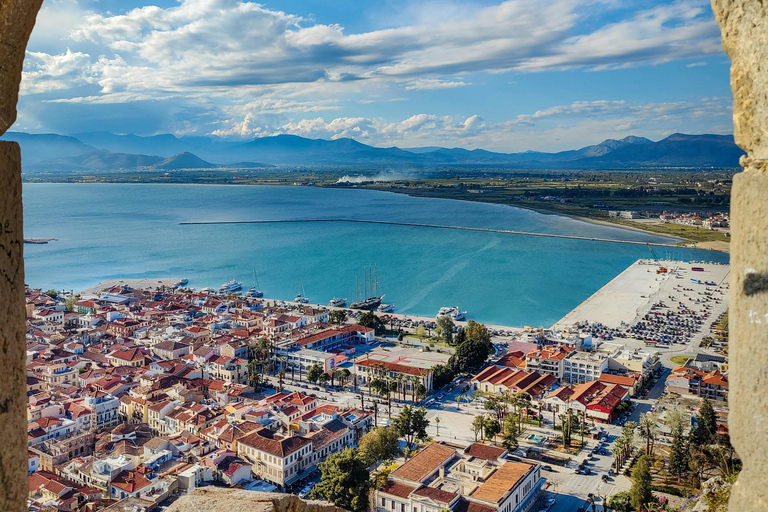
x,y
723,247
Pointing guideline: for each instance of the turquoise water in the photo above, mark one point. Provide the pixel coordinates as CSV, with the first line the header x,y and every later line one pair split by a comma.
x,y
108,231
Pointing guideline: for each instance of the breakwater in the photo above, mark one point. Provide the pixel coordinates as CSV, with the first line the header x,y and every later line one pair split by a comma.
x,y
431,226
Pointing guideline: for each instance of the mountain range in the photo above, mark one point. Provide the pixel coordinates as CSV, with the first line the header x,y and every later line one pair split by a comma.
x,y
103,151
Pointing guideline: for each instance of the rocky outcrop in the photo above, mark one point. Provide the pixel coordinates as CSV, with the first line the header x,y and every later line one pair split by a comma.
x,y
713,496
744,27
17,18
217,499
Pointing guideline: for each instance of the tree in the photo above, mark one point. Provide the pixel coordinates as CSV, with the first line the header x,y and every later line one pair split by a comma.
x,y
69,304
620,502
314,372
379,444
706,425
491,428
437,426
52,293
640,494
510,433
323,378
478,425
411,424
679,455
344,481
648,430
344,375
441,375
477,332
369,319
444,328
337,316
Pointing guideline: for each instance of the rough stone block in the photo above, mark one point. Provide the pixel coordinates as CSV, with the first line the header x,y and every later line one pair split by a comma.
x,y
748,355
17,18
13,384
744,27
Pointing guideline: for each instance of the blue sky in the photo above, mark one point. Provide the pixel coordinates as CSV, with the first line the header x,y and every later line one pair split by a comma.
x,y
506,76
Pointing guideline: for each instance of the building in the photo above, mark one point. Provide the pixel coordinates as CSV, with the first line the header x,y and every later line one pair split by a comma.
x,y
548,360
281,460
409,364
477,479
502,380
694,382
583,367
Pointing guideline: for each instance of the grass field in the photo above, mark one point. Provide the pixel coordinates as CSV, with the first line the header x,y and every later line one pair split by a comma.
x,y
681,360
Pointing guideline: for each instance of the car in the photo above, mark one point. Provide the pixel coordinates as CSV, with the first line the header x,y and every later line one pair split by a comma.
x,y
315,388
602,451
550,502
546,468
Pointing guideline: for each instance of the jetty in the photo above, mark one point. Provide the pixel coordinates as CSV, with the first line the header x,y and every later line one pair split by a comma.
x,y
431,226
39,240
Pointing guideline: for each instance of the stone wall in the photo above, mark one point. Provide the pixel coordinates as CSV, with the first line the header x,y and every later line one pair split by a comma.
x,y
217,499
17,17
744,27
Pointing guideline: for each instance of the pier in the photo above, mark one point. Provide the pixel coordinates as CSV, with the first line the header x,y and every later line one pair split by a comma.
x,y
432,226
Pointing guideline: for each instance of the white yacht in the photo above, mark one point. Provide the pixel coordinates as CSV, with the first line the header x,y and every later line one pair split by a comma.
x,y
386,308
452,312
337,302
230,287
300,299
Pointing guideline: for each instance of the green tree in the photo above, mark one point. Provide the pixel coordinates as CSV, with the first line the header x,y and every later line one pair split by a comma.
x,y
343,375
69,304
323,378
444,328
337,316
314,373
381,443
477,332
478,425
491,428
411,424
369,319
344,481
706,425
640,494
52,293
511,433
679,455
648,430
441,375
620,502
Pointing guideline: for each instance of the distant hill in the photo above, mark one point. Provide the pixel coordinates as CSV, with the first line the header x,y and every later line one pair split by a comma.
x,y
108,151
184,161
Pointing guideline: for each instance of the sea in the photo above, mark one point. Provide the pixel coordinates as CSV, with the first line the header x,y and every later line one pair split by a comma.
x,y
127,231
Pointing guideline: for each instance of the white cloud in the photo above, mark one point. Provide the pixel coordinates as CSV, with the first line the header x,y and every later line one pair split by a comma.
x,y
203,46
433,83
44,72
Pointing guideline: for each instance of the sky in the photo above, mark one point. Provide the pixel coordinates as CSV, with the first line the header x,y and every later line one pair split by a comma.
x,y
507,76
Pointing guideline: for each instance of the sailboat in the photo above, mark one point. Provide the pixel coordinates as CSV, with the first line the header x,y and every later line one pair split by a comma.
x,y
301,298
255,291
371,283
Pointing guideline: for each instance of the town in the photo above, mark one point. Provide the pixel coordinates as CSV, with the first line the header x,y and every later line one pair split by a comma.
x,y
142,391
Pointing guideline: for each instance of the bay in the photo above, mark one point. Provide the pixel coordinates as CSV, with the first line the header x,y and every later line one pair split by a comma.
x,y
113,231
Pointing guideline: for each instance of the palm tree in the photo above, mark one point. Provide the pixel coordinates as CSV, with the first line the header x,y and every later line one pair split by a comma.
x,y
582,416
437,425
541,404
648,429
280,376
618,451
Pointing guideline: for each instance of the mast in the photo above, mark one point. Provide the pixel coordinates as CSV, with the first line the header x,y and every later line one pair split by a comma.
x,y
376,281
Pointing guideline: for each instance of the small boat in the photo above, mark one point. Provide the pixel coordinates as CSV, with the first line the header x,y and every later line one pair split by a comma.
x,y
337,302
230,287
300,299
255,291
207,290
183,282
452,312
386,308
